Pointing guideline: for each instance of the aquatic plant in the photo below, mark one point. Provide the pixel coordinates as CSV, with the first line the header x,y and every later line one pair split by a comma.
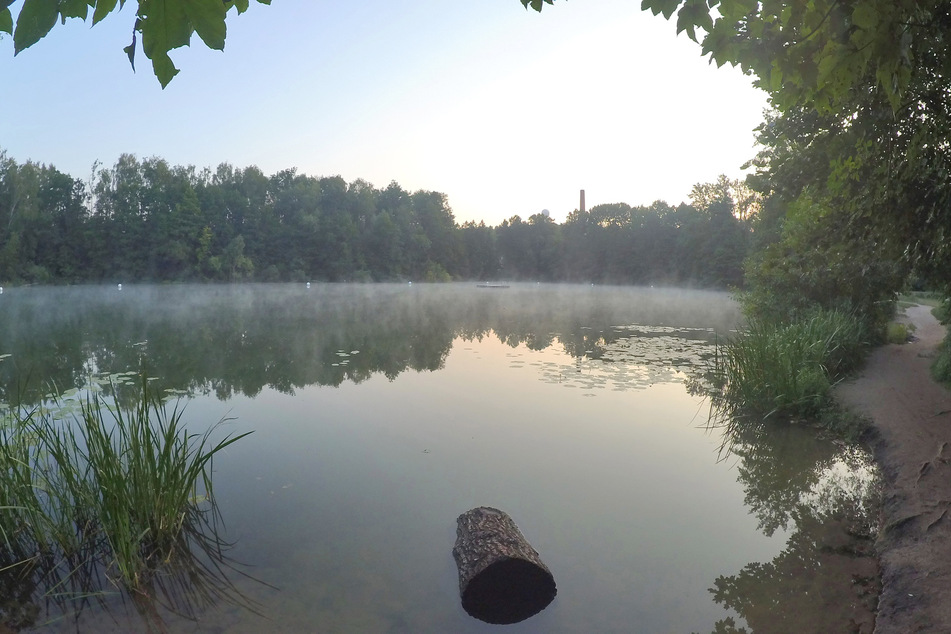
x,y
787,369
127,489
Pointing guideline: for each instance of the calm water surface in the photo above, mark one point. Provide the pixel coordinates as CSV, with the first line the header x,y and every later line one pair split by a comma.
x,y
380,413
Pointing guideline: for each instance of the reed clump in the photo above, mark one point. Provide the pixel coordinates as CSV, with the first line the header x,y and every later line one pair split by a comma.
x,y
787,369
126,487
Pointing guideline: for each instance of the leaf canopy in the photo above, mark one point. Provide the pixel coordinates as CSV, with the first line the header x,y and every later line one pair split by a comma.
x,y
810,53
163,25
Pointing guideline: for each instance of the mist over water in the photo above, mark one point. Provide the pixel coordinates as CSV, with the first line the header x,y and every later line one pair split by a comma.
x,y
227,339
382,412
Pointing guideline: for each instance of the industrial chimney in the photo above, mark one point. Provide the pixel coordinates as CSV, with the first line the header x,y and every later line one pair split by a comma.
x,y
582,201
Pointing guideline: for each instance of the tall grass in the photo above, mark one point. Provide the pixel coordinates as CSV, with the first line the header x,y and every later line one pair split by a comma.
x,y
941,368
787,369
128,487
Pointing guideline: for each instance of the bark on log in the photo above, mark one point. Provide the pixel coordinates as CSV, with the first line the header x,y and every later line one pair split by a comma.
x,y
501,577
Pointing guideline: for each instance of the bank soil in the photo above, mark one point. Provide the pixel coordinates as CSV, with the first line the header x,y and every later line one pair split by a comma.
x,y
912,416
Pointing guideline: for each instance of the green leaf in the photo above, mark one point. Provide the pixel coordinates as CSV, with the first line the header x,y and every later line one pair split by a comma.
x,y
130,51
163,68
535,4
733,10
103,8
241,5
667,7
75,9
693,14
208,19
865,16
164,26
6,21
36,19
775,78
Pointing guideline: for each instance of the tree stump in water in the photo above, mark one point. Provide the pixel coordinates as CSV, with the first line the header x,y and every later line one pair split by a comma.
x,y
501,577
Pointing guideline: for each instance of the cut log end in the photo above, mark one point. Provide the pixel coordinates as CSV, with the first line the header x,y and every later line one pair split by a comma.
x,y
501,577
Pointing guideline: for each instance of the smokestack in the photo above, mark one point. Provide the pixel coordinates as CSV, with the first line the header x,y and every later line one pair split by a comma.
x,y
582,201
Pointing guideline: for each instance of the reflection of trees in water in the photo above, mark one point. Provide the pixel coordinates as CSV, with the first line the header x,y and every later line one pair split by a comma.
x,y
826,579
57,587
241,339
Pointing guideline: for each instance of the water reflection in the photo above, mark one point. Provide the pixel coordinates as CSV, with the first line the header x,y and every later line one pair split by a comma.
x,y
383,460
241,339
58,590
827,494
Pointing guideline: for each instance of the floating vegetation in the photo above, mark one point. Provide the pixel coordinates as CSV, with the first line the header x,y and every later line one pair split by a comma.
x,y
635,357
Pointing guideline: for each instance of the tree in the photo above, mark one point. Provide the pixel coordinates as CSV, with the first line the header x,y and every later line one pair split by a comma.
x,y
814,52
744,202
164,25
861,115
820,261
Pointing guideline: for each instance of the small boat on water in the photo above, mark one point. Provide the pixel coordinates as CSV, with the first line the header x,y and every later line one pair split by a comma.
x,y
491,285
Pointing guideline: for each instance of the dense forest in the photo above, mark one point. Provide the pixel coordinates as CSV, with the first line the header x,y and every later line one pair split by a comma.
x,y
147,220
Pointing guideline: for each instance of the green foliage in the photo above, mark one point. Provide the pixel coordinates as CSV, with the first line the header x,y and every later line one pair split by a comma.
x,y
897,332
814,52
819,263
536,4
941,368
817,53
436,273
147,220
164,25
861,115
786,369
942,312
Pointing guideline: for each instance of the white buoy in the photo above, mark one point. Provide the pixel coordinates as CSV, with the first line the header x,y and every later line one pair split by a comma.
x,y
120,287
308,284
1,290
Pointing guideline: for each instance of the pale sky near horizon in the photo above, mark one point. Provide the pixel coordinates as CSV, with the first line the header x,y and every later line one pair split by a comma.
x,y
506,111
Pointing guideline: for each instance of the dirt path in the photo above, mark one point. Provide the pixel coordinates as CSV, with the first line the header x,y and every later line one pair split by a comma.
x,y
913,417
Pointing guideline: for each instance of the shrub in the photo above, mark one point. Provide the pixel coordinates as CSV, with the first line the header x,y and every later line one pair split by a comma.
x,y
820,263
897,332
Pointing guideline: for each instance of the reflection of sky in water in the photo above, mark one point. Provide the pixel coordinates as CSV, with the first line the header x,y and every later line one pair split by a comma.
x,y
852,478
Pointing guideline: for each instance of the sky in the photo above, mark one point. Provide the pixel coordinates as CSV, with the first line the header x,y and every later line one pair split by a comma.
x,y
506,111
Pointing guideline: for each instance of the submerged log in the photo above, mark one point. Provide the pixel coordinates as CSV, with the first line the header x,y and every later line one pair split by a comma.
x,y
501,577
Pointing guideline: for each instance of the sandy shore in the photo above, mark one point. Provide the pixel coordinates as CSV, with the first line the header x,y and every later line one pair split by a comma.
x,y
912,415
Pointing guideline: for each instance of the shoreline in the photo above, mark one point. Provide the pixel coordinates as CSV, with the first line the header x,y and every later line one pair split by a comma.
x,y
911,419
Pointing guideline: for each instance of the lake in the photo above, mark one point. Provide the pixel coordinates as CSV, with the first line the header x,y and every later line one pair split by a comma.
x,y
382,412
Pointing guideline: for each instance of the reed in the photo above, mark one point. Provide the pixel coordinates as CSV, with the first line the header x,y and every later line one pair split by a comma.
x,y
787,370
132,482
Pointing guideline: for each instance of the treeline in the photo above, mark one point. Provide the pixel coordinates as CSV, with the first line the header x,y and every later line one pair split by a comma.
x,y
146,220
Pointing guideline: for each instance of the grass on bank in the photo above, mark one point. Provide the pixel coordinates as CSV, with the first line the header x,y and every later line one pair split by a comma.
x,y
787,369
941,368
122,486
